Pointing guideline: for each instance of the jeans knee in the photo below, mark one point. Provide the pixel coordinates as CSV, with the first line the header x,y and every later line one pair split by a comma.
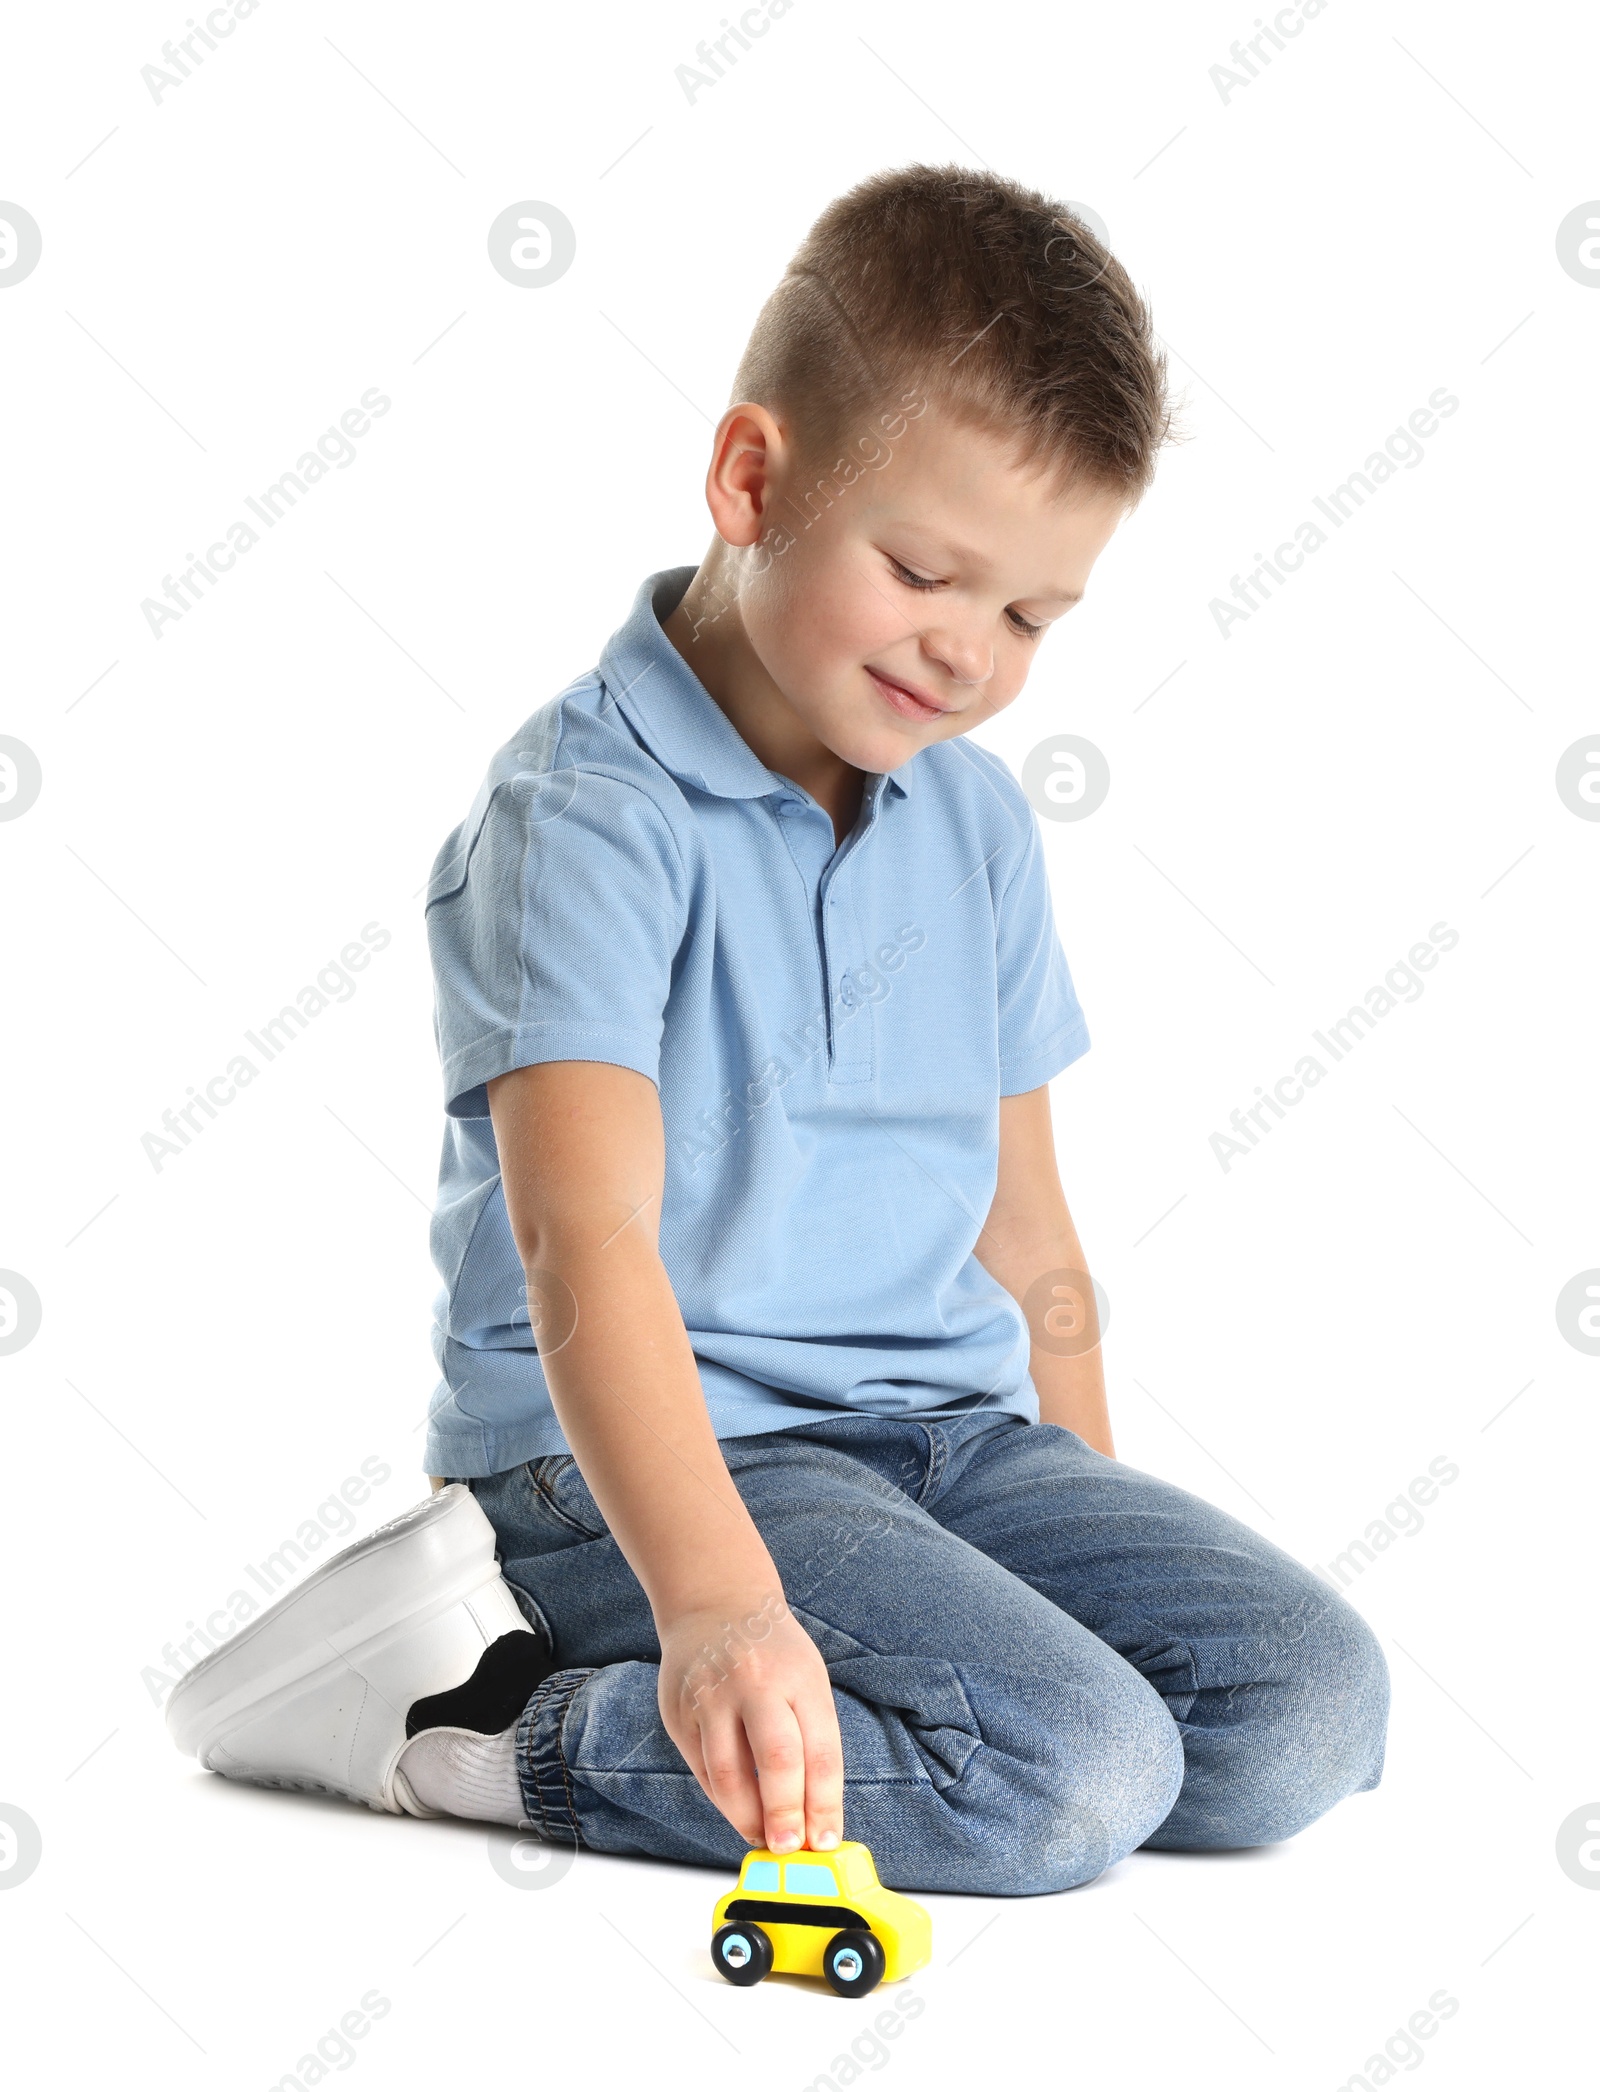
x,y
1334,1723
1111,1777
1308,1732
1347,1692
1070,1774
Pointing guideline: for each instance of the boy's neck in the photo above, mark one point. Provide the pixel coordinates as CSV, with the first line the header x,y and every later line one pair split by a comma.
x,y
708,633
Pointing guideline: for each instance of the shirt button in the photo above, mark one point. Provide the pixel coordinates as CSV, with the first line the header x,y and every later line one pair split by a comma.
x,y
847,989
788,806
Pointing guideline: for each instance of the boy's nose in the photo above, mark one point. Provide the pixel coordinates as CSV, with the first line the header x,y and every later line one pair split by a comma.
x,y
965,659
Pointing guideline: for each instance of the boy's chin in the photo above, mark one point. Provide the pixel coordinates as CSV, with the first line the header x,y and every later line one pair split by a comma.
x,y
874,747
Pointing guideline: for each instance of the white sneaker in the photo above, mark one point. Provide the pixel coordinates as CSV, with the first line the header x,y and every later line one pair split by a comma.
x,y
411,1628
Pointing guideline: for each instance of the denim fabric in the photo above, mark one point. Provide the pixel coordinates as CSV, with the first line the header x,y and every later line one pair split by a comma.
x,y
1041,1658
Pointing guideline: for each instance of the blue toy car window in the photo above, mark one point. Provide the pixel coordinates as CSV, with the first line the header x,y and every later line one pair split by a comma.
x,y
802,1879
761,1874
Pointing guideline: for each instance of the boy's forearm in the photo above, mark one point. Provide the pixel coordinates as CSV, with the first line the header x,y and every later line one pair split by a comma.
x,y
1065,1359
1029,1243
628,1398
1072,1393
581,1151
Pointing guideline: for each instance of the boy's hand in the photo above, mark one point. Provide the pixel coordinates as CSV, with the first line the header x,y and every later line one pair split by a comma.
x,y
745,1696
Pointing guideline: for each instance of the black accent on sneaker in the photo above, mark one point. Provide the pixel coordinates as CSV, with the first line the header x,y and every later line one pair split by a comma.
x,y
500,1687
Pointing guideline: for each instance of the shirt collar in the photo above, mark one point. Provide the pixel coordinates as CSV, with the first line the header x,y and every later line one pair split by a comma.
x,y
672,711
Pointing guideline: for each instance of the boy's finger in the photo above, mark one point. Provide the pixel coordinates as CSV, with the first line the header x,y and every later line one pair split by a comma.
x,y
819,1725
779,1751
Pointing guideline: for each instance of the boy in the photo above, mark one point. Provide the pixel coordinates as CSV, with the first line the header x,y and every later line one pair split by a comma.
x,y
766,1344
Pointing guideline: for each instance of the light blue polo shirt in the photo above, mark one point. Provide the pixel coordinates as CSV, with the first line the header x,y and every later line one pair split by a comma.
x,y
830,1030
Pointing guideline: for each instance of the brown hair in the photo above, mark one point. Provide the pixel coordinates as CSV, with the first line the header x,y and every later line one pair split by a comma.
x,y
993,301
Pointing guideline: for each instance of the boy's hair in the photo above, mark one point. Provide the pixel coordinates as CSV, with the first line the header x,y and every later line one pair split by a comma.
x,y
985,297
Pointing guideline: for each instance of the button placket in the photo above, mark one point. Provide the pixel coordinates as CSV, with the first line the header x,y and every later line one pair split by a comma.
x,y
850,1020
800,826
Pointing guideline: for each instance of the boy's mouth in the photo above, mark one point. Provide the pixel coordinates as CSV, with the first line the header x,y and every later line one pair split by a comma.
x,y
910,704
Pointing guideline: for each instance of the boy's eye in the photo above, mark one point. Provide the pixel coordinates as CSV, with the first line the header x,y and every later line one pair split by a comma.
x,y
1019,623
911,580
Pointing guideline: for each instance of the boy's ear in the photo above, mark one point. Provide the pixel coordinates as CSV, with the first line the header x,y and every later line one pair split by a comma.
x,y
746,455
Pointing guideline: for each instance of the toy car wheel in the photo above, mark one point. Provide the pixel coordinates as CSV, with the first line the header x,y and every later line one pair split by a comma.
x,y
742,1952
853,1963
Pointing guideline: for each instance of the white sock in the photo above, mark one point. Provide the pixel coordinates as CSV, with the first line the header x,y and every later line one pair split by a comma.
x,y
461,1773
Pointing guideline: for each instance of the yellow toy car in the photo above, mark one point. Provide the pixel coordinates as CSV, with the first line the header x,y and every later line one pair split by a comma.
x,y
818,1914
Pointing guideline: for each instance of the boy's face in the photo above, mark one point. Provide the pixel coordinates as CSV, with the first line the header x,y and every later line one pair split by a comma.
x,y
901,613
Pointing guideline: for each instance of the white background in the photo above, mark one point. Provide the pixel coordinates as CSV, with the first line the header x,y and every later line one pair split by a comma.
x,y
223,808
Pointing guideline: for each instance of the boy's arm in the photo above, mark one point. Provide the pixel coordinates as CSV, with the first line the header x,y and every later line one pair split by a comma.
x,y
744,1693
1028,1234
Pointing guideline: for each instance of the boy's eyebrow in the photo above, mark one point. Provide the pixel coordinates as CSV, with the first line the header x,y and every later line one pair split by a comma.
x,y
964,555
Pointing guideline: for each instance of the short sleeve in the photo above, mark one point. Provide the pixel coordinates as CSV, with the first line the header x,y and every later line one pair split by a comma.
x,y
1042,1029
554,915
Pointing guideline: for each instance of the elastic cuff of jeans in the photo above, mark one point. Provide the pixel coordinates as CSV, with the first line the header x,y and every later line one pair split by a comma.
x,y
547,1795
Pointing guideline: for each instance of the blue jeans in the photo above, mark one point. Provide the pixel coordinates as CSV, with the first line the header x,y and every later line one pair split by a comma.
x,y
1041,1658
